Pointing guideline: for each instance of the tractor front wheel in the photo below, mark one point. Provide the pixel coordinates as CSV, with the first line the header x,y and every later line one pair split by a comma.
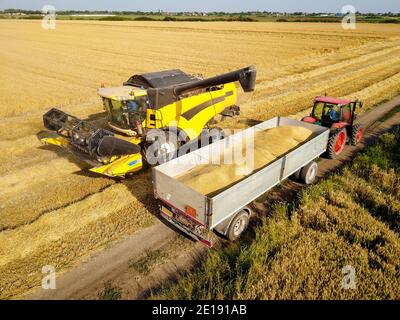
x,y
336,143
356,134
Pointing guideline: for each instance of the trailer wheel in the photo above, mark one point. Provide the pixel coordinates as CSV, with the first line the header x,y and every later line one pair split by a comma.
x,y
296,176
238,225
309,172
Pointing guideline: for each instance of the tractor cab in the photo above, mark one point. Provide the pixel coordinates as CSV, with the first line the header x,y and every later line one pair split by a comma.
x,y
332,112
338,115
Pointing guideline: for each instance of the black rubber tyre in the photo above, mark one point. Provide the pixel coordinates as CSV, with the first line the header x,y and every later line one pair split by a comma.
x,y
162,147
336,143
216,134
238,225
296,176
209,136
356,134
309,172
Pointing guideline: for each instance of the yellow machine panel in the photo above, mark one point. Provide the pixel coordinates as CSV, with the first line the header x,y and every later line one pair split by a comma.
x,y
120,167
191,114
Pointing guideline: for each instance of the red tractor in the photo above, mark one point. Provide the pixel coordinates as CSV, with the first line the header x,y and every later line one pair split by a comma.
x,y
338,115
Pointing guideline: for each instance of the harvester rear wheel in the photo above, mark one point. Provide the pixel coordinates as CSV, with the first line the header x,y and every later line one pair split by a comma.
x,y
336,143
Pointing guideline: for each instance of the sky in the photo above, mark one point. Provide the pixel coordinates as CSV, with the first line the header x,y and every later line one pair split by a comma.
x,y
208,5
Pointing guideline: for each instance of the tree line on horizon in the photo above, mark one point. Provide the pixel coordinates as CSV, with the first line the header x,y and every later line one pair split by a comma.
x,y
214,13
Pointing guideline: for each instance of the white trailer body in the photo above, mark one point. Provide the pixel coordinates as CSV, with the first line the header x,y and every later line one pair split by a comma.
x,y
197,214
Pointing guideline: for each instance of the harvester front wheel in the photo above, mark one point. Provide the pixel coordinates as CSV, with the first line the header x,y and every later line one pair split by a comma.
x,y
163,147
336,143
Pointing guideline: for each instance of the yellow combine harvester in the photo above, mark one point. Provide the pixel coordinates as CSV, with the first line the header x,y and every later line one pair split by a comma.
x,y
154,114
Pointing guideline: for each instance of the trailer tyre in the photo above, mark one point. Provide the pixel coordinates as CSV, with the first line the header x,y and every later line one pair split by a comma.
x,y
309,172
296,176
238,225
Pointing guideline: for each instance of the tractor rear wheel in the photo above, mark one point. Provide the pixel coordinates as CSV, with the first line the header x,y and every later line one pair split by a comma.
x,y
356,134
336,143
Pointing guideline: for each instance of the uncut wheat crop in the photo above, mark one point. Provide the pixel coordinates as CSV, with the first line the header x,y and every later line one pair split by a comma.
x,y
52,212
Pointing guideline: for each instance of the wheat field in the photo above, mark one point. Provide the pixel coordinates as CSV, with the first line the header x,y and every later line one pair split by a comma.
x,y
52,212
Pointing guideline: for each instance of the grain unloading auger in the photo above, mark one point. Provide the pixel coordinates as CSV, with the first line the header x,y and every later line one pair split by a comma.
x,y
152,116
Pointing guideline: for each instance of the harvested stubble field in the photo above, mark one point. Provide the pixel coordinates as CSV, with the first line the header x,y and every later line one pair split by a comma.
x,y
51,211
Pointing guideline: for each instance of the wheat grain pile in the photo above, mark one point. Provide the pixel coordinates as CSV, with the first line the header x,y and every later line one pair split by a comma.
x,y
49,197
269,145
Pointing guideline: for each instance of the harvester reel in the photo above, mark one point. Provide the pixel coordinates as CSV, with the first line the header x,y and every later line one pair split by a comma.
x,y
54,119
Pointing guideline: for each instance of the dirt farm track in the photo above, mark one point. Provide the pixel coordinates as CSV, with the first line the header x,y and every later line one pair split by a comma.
x,y
52,211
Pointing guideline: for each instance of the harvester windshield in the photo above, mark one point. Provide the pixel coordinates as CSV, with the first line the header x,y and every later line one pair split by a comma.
x,y
124,113
115,113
